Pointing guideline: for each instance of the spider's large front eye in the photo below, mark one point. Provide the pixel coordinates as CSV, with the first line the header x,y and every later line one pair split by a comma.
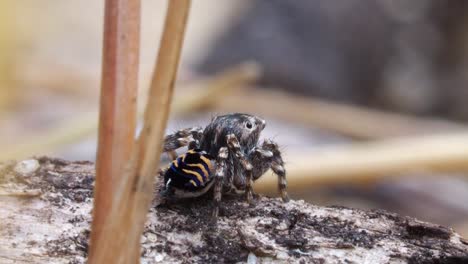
x,y
248,125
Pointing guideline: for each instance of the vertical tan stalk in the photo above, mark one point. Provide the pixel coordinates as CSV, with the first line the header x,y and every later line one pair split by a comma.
x,y
158,108
135,192
117,116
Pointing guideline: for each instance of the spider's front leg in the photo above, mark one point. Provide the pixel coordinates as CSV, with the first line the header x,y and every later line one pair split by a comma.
x,y
269,156
185,137
163,193
234,147
218,178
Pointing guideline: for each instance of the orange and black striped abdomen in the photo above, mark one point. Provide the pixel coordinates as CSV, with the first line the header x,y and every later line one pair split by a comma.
x,y
190,171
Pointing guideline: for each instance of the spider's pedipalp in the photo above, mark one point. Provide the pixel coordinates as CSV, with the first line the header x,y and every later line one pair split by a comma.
x,y
234,147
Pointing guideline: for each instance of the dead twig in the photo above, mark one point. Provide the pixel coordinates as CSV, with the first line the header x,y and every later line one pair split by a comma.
x,y
117,117
203,93
354,121
132,200
365,162
22,194
66,132
207,92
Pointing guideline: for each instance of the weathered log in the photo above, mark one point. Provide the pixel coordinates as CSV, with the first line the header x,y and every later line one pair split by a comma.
x,y
45,207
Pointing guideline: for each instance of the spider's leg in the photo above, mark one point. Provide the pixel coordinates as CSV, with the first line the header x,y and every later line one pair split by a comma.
x,y
234,147
178,139
277,166
218,180
197,134
262,159
185,137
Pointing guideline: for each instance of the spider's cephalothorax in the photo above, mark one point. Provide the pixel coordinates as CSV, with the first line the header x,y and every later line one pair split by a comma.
x,y
231,141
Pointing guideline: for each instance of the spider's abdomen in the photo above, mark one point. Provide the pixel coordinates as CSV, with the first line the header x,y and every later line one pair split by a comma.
x,y
190,171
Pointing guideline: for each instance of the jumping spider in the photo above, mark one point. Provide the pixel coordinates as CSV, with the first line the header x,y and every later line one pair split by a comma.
x,y
232,142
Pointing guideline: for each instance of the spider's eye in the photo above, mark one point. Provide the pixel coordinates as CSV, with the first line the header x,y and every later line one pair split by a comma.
x,y
248,125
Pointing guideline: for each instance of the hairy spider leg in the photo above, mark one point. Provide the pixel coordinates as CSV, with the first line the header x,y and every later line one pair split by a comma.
x,y
182,138
218,180
277,166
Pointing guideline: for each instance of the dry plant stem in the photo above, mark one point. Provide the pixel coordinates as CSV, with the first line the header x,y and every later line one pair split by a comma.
x,y
157,110
354,121
117,117
202,94
210,90
136,188
365,162
22,194
41,143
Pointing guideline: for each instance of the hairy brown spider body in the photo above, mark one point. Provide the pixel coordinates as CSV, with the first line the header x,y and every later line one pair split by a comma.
x,y
233,142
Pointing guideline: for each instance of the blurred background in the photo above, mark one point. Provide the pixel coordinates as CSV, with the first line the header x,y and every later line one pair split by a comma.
x,y
366,97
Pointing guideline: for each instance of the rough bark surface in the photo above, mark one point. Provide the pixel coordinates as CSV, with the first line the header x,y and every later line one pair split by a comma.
x,y
45,218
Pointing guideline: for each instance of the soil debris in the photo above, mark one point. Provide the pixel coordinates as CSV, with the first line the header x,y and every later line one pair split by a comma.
x,y
57,225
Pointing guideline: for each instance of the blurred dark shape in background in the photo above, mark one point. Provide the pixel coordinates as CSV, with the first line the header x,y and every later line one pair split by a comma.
x,y
407,56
